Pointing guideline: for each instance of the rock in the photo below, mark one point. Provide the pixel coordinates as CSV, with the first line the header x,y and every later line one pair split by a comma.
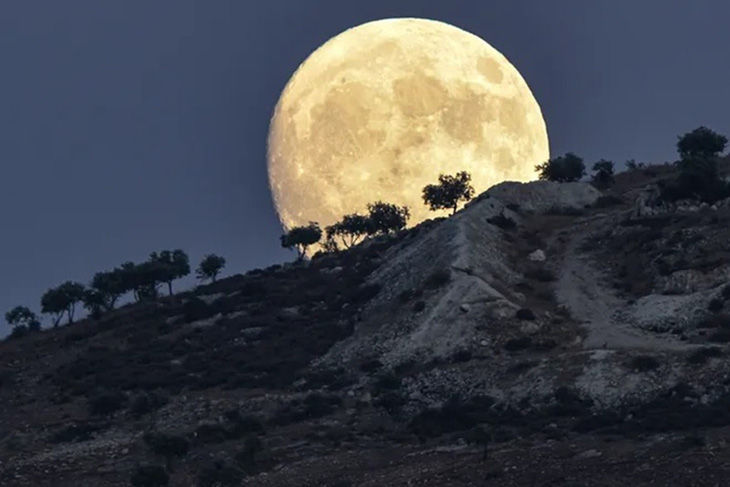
x,y
589,454
537,256
366,398
530,328
289,313
464,308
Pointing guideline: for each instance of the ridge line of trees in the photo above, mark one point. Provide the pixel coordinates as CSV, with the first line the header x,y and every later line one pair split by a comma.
x,y
143,280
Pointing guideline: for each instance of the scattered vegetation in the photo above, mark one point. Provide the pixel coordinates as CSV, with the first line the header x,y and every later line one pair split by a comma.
x,y
563,169
644,363
150,476
602,177
301,238
387,218
210,267
350,230
449,192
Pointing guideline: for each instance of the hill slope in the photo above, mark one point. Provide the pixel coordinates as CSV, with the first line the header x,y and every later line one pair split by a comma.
x,y
583,334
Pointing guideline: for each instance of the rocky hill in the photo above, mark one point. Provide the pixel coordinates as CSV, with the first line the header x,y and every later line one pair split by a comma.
x,y
547,334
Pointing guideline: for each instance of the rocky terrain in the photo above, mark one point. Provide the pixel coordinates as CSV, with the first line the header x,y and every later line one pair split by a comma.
x,y
546,334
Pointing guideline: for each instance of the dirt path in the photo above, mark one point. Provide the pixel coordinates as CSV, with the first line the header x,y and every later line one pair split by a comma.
x,y
581,286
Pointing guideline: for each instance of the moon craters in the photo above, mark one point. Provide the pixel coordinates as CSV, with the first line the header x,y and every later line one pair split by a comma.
x,y
490,69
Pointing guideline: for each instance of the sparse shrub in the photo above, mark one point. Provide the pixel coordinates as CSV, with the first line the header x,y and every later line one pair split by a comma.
x,y
248,458
419,306
462,356
146,402
371,365
301,238
392,401
195,309
644,363
220,474
449,192
150,476
210,433
166,445
502,221
562,169
726,291
632,165
23,320
602,174
715,305
77,432
367,292
387,381
702,355
517,344
720,336
437,278
541,274
405,296
106,402
607,200
525,314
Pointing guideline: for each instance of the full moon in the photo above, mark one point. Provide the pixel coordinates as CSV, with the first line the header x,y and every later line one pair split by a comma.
x,y
380,110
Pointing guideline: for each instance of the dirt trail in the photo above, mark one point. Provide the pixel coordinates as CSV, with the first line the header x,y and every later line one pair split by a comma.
x,y
582,287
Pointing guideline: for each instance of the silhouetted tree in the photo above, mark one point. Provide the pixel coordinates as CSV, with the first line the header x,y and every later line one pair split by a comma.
x,y
22,319
141,279
602,174
701,143
387,217
300,238
105,289
170,265
62,299
210,267
351,229
563,169
449,192
698,171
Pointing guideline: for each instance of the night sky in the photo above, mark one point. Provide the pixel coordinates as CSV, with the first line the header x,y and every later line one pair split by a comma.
x,y
133,126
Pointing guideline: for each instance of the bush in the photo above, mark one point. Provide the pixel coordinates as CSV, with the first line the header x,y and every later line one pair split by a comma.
x,y
562,169
106,402
419,306
700,356
147,402
517,344
220,474
644,363
167,446
502,221
150,476
525,314
607,201
437,279
541,274
77,433
715,305
603,174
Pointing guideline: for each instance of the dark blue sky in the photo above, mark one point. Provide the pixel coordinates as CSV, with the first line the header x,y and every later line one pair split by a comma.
x,y
133,126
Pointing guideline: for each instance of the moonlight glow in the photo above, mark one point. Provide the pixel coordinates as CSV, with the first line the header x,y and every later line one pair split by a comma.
x,y
382,109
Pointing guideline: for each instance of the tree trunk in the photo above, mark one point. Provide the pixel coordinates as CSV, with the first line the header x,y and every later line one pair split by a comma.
x,y
71,313
169,287
214,277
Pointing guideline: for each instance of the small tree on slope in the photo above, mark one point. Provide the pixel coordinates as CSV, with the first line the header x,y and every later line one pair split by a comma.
x,y
449,192
300,238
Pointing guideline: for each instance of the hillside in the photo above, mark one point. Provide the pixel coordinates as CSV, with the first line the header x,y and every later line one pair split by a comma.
x,y
581,335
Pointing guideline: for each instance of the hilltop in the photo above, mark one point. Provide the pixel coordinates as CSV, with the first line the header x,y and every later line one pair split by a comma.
x,y
580,334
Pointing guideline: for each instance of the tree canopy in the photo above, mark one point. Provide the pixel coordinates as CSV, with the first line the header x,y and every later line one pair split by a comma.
x,y
449,192
563,169
210,267
387,217
350,230
300,238
62,300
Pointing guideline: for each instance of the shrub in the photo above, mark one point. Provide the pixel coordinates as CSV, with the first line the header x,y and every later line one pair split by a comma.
x,y
525,314
106,402
150,476
700,356
715,305
720,336
562,169
77,433
541,274
220,474
606,201
437,278
195,309
701,142
146,402
166,445
517,344
644,363
603,174
419,306
502,221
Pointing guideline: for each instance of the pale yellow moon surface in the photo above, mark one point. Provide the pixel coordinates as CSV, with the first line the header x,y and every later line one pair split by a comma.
x,y
380,110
